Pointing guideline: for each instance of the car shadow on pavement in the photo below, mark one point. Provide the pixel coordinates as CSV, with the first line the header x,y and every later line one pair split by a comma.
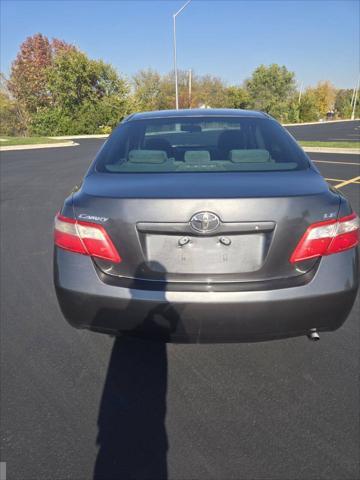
x,y
132,436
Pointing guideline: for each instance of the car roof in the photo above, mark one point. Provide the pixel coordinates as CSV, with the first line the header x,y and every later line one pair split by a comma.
x,y
197,112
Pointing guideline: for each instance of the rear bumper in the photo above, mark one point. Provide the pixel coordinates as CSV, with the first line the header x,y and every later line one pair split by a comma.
x,y
323,303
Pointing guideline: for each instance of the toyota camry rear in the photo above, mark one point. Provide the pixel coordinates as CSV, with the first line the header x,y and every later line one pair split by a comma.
x,y
205,225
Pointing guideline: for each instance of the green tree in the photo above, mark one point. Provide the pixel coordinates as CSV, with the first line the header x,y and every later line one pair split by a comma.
x,y
309,110
293,113
343,107
271,88
12,117
236,97
210,91
102,116
155,91
167,90
147,90
317,101
87,96
325,94
72,80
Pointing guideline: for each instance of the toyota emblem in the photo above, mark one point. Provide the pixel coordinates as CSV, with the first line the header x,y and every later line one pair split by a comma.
x,y
204,222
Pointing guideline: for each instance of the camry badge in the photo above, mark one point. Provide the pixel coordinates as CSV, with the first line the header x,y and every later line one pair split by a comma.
x,y
204,222
85,216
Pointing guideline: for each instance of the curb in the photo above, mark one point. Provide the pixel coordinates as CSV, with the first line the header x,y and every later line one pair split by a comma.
x,y
347,151
40,145
325,122
69,137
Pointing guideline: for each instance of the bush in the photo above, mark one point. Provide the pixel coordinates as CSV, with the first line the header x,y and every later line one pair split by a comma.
x,y
90,117
53,121
105,129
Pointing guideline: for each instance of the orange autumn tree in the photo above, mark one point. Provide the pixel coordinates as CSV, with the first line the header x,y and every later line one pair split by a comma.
x,y
28,77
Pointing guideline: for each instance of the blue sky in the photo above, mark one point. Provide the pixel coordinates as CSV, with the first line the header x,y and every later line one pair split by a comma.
x,y
318,40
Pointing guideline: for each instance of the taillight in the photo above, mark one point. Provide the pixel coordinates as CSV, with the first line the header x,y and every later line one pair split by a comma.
x,y
85,238
326,238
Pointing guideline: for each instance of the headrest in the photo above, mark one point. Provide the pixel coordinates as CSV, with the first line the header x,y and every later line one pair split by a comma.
x,y
250,156
147,156
195,156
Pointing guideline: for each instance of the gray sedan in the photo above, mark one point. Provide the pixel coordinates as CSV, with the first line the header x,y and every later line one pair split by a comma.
x,y
205,226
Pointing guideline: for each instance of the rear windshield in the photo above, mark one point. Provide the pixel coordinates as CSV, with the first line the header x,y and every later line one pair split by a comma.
x,y
200,144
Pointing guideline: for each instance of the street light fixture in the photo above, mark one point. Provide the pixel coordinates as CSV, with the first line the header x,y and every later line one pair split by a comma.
x,y
175,64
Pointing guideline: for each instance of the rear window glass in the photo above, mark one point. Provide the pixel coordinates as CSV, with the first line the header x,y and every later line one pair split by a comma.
x,y
200,144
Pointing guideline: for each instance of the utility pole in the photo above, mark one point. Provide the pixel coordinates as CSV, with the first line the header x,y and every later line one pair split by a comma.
x,y
175,60
355,100
300,93
353,96
190,88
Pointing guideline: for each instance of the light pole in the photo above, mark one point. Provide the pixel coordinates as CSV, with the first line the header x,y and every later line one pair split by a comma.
x,y
175,64
190,74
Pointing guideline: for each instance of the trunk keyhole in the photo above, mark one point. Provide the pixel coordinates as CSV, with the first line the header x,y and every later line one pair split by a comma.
x,y
225,241
183,241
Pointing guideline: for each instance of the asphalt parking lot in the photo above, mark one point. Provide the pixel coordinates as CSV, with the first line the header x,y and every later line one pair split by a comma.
x,y
327,132
338,169
74,402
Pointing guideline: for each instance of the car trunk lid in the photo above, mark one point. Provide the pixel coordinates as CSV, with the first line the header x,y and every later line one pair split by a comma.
x,y
261,217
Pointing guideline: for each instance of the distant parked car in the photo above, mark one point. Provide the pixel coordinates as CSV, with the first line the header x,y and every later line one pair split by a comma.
x,y
205,225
